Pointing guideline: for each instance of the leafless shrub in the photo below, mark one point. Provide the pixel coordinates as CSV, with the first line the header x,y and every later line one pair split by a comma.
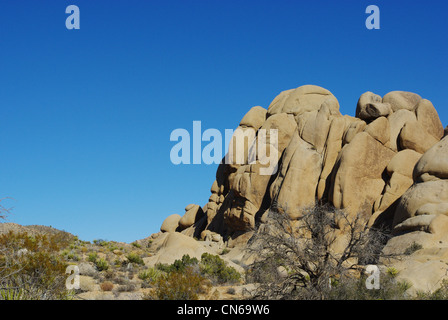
x,y
4,212
301,259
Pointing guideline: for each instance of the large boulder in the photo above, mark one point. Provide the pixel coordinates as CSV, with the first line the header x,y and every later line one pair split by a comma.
x,y
423,198
402,100
414,136
170,223
397,120
357,181
429,119
353,126
250,183
333,146
313,127
399,170
254,118
429,195
379,129
172,246
370,106
420,222
193,213
433,164
296,184
303,99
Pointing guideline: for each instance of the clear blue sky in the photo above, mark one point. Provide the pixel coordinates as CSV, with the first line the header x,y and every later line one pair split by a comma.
x,y
86,115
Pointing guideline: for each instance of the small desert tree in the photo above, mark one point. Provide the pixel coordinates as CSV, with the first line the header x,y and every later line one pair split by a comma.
x,y
304,258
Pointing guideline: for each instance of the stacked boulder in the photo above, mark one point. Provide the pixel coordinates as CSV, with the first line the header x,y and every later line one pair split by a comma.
x,y
420,223
363,164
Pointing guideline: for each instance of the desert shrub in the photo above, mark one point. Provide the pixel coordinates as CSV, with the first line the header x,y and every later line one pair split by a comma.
x,y
211,266
31,267
107,286
136,244
117,263
11,293
112,247
391,271
34,243
135,258
92,257
354,288
127,287
109,274
72,256
440,294
412,248
151,275
101,264
178,265
180,285
231,291
215,267
101,242
118,252
224,251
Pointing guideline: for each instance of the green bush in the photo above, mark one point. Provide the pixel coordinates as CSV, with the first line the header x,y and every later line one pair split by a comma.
x,y
101,242
135,258
178,265
151,275
210,265
215,267
101,264
179,285
355,289
136,244
37,272
92,257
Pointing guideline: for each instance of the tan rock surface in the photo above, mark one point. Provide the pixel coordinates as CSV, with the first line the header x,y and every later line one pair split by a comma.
x,y
358,182
420,194
397,120
370,106
429,119
402,100
379,129
414,136
303,99
254,118
193,213
434,163
171,223
296,185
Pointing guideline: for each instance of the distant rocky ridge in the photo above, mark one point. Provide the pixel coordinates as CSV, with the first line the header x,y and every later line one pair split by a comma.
x,y
6,227
389,162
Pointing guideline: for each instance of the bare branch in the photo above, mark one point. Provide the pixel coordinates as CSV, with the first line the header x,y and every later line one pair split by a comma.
x,y
298,258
